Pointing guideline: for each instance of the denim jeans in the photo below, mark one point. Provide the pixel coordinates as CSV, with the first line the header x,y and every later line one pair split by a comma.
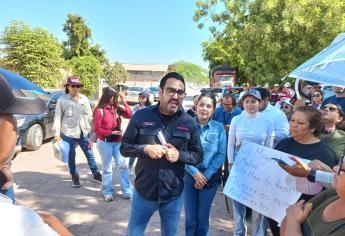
x,y
259,222
197,206
84,144
108,150
9,193
142,210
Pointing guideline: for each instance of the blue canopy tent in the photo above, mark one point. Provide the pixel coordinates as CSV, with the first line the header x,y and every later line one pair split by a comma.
x,y
326,67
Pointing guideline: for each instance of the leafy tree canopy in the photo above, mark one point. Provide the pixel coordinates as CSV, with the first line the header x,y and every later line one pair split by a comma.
x,y
78,35
33,53
191,72
267,39
115,73
78,40
88,69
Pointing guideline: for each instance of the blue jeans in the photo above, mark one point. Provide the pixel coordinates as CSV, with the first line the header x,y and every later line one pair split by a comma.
x,y
259,222
84,144
197,206
108,150
142,210
9,193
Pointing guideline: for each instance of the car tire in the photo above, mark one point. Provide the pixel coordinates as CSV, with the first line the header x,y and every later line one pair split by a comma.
x,y
34,137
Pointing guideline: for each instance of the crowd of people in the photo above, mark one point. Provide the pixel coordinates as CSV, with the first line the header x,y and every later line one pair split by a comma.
x,y
182,157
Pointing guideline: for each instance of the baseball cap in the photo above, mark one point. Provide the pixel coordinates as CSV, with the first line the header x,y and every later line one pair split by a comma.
x,y
9,104
252,92
287,101
276,85
73,80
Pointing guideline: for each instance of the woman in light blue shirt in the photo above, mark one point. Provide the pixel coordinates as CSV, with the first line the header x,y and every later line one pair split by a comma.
x,y
201,181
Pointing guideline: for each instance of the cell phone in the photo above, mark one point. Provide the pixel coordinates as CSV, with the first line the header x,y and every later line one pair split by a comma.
x,y
280,161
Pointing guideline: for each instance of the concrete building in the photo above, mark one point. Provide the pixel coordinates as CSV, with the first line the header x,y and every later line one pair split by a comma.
x,y
145,75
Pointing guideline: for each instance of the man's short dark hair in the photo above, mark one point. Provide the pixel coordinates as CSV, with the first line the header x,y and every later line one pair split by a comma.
x,y
174,75
264,93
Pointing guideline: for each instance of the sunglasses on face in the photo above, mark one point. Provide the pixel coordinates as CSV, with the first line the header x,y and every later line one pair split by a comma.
x,y
75,86
171,92
284,107
316,95
330,109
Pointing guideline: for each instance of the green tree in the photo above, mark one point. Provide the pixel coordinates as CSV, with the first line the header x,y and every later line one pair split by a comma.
x,y
115,73
33,53
99,53
191,72
89,70
78,40
78,36
268,39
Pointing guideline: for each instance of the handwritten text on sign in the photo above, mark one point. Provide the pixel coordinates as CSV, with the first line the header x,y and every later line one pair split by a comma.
x,y
258,182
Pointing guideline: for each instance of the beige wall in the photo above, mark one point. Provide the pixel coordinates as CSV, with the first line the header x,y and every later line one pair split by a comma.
x,y
144,78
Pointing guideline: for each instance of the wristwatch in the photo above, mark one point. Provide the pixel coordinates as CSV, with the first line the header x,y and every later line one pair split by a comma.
x,y
311,175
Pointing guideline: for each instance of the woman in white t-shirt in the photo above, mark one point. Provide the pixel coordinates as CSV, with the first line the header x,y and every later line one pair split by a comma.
x,y
251,126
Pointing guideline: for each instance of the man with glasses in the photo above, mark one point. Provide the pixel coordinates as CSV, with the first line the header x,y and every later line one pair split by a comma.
x,y
164,138
332,115
72,123
338,98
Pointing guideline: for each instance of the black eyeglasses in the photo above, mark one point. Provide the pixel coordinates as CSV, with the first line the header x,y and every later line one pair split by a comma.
x,y
331,109
316,95
284,107
75,86
171,92
341,165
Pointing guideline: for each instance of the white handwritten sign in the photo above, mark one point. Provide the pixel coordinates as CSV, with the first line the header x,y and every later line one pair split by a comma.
x,y
258,182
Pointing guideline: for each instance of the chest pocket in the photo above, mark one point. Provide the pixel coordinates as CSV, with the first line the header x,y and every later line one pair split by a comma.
x,y
211,138
180,139
148,135
85,109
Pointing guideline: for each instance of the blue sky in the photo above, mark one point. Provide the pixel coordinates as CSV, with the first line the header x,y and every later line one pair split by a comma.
x,y
132,31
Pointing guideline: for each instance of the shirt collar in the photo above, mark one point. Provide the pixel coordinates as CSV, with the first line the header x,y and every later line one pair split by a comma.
x,y
208,125
70,97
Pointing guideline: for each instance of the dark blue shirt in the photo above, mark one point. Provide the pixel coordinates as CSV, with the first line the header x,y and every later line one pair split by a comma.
x,y
225,117
158,179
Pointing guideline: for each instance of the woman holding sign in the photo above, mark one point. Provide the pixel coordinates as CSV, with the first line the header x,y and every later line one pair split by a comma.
x,y
251,126
202,180
305,127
